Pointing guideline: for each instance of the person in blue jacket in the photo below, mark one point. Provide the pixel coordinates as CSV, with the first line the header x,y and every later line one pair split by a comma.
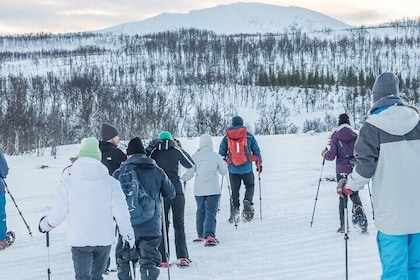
x,y
148,234
6,237
387,151
241,173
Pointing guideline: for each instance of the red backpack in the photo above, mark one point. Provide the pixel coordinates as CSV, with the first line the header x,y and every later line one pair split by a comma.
x,y
238,151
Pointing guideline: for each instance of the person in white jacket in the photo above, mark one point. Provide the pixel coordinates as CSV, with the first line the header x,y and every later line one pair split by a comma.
x,y
207,190
90,199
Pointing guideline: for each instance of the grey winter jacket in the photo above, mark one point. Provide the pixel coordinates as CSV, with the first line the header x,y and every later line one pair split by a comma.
x,y
208,166
388,152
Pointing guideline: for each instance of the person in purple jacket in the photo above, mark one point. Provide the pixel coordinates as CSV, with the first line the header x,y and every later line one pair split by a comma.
x,y
342,141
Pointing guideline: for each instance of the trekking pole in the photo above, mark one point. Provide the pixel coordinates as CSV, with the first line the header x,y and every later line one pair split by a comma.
x,y
20,213
371,202
47,236
165,236
346,236
130,261
221,187
317,191
259,183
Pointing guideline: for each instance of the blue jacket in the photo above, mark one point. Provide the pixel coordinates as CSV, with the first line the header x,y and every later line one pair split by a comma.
x,y
4,170
155,182
252,145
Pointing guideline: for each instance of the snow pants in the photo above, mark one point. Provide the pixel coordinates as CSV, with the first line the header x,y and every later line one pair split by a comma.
x,y
206,215
3,227
342,202
399,255
178,208
235,183
90,261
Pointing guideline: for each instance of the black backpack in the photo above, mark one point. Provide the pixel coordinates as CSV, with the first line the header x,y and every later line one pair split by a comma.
x,y
141,204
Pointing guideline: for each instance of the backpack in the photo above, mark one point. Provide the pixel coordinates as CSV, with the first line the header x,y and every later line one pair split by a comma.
x,y
238,151
350,157
140,204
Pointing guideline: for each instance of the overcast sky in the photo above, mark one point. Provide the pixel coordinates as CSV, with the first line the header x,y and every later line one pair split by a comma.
x,y
58,16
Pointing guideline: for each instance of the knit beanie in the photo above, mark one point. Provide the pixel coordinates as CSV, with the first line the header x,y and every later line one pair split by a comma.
x,y
237,120
90,148
135,146
108,131
385,84
165,135
343,118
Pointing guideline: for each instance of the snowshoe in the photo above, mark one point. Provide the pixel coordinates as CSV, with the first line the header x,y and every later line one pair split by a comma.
x,y
210,241
8,241
183,262
359,218
340,229
248,211
234,216
198,240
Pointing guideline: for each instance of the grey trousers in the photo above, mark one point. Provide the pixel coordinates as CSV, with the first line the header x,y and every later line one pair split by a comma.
x,y
90,261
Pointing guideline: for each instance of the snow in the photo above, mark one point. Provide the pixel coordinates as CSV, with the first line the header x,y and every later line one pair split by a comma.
x,y
281,245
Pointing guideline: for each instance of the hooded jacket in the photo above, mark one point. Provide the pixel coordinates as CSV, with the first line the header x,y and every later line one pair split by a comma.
x,y
4,170
346,136
208,166
90,198
387,151
168,157
111,156
156,183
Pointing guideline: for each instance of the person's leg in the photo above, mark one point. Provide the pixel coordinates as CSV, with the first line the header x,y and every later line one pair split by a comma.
x,y
341,204
211,204
167,206
249,182
149,257
235,184
414,256
178,208
393,253
3,227
100,261
200,215
82,262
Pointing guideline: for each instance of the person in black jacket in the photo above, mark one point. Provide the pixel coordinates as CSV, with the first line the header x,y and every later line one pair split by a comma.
x,y
111,155
168,154
148,234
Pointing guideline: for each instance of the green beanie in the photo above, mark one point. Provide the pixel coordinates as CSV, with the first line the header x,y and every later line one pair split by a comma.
x,y
165,135
90,148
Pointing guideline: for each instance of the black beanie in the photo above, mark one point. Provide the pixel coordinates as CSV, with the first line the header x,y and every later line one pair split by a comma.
x,y
343,118
135,146
108,131
237,120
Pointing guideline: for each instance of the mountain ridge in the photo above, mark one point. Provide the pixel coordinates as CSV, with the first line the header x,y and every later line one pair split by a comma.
x,y
237,18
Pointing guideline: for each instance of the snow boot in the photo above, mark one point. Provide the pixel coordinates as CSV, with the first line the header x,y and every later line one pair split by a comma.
x,y
183,262
8,241
210,241
234,216
248,211
359,218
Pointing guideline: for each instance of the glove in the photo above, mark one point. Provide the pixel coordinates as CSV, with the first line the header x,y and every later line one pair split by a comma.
x,y
177,143
259,168
44,226
324,151
130,240
342,189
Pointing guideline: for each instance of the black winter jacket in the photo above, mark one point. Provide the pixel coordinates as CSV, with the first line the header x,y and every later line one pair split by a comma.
x,y
111,156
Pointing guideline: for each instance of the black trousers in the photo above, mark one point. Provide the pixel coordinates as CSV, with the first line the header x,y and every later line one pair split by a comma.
x,y
235,183
355,198
178,208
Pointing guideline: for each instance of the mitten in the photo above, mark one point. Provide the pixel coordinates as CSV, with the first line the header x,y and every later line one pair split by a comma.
x,y
130,240
342,188
44,226
324,151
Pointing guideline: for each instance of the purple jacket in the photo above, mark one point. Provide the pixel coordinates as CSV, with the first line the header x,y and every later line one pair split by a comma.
x,y
347,136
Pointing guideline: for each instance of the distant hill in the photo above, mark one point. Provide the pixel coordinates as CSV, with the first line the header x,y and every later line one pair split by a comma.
x,y
239,18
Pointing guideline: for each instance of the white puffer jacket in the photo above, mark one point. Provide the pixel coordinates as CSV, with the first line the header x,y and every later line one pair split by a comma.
x,y
90,198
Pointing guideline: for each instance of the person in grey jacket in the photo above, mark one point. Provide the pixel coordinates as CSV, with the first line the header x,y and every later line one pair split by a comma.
x,y
207,190
90,199
388,152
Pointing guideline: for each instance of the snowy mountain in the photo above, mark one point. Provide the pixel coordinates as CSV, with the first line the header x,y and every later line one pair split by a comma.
x,y
239,18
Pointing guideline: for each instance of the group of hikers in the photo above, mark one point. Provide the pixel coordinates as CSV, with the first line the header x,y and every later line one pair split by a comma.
x,y
105,186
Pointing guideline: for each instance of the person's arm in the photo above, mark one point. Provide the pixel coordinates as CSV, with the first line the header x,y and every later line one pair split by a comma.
x,y
190,172
223,147
185,159
4,168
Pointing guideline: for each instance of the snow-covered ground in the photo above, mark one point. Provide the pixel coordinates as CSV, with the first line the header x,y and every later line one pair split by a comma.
x,y
281,245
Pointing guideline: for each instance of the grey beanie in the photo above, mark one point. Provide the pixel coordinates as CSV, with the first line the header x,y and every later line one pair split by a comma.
x,y
108,131
385,84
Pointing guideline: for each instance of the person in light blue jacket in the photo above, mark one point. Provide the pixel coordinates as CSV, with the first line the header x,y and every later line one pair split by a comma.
x,y
388,152
207,190
6,238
